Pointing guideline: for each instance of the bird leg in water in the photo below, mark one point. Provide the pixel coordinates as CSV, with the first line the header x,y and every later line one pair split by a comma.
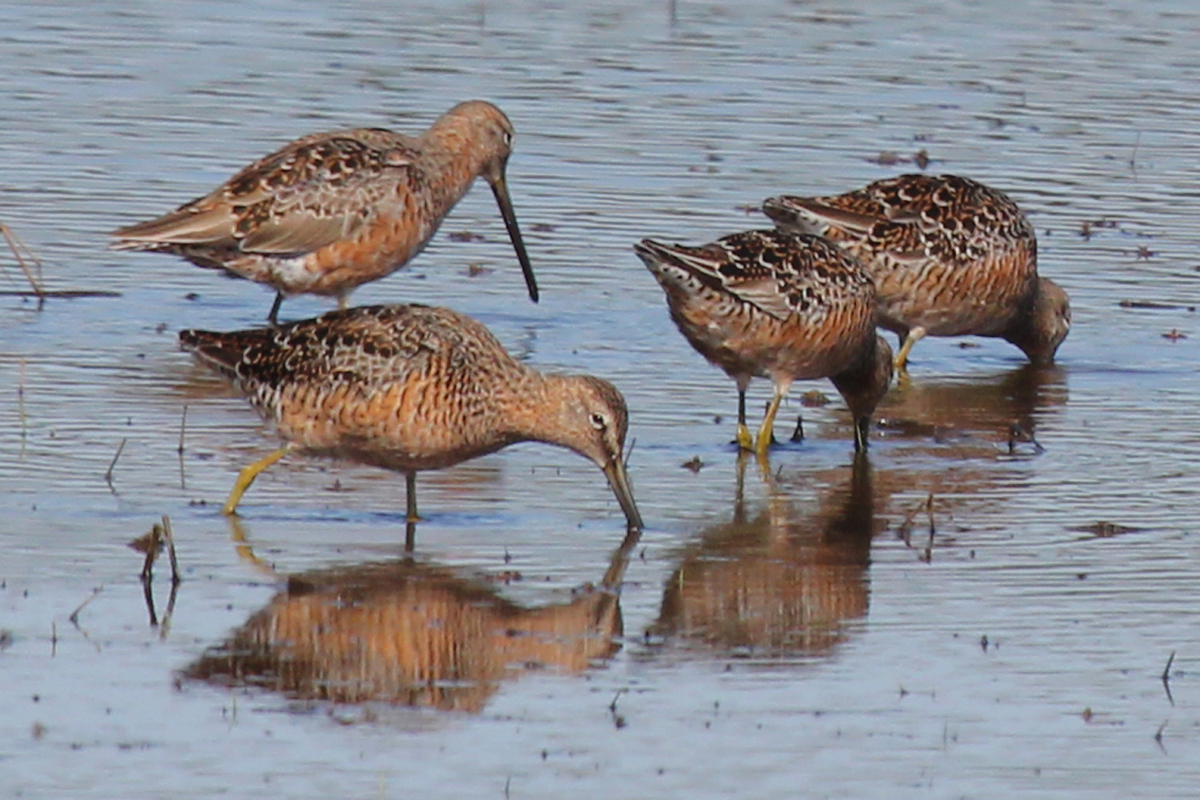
x,y
247,476
273,317
410,486
862,432
914,335
766,430
744,440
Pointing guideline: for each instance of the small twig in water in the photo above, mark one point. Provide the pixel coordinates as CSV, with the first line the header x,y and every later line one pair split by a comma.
x,y
170,537
21,398
618,719
182,428
1166,680
18,247
75,614
108,475
1158,736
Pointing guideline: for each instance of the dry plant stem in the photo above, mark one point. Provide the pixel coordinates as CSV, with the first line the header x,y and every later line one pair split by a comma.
x,y
182,428
108,475
170,537
1166,679
21,252
151,555
75,614
21,398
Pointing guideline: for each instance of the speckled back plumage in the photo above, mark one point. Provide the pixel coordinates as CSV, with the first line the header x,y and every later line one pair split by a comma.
x,y
403,387
767,303
948,254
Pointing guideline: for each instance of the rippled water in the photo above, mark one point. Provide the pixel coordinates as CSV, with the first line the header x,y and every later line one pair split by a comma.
x,y
951,619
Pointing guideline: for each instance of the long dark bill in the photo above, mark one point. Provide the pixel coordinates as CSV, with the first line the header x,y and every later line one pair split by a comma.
x,y
618,479
500,190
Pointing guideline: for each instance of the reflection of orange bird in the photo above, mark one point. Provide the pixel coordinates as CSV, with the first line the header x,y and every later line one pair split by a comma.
x,y
768,304
949,256
411,633
977,415
331,211
405,633
780,583
411,388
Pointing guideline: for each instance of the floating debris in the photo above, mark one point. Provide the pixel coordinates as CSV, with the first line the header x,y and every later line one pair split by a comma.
x,y
1154,305
695,464
1104,529
814,398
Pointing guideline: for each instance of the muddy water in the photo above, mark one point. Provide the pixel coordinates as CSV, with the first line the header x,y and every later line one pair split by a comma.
x,y
951,619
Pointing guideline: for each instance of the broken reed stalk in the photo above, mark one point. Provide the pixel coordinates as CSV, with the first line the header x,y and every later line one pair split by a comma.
x,y
108,474
170,537
75,614
21,397
182,428
18,247
152,543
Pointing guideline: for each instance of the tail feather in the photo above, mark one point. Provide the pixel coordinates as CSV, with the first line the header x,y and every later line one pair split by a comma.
x,y
187,225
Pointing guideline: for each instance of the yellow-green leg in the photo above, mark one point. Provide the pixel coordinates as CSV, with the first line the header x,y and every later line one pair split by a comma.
x,y
247,476
768,425
343,302
914,335
744,440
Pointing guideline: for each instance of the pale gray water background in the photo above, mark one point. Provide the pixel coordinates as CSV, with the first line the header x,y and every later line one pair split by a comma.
x,y
799,664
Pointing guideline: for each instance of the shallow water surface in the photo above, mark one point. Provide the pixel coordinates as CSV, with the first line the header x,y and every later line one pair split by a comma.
x,y
964,614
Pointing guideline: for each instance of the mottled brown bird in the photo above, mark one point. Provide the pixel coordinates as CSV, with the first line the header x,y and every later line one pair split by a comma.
x,y
331,211
778,306
950,257
408,388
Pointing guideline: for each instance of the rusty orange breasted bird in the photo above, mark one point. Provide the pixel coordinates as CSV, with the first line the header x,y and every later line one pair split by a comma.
x,y
331,211
950,257
410,388
780,306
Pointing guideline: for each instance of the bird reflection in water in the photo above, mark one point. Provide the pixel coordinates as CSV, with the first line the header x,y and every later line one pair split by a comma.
x,y
410,633
780,583
978,416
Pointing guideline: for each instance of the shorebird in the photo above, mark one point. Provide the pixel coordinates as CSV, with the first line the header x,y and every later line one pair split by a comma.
x,y
409,388
331,211
780,306
950,257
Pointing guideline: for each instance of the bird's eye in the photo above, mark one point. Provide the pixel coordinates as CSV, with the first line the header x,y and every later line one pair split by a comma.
x,y
507,139
598,422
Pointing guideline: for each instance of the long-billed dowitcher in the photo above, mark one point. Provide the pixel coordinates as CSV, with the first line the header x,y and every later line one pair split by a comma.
x,y
331,211
778,306
949,256
408,388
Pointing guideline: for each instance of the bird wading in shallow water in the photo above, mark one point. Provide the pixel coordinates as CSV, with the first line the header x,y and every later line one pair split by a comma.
x,y
779,306
410,388
949,256
331,211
